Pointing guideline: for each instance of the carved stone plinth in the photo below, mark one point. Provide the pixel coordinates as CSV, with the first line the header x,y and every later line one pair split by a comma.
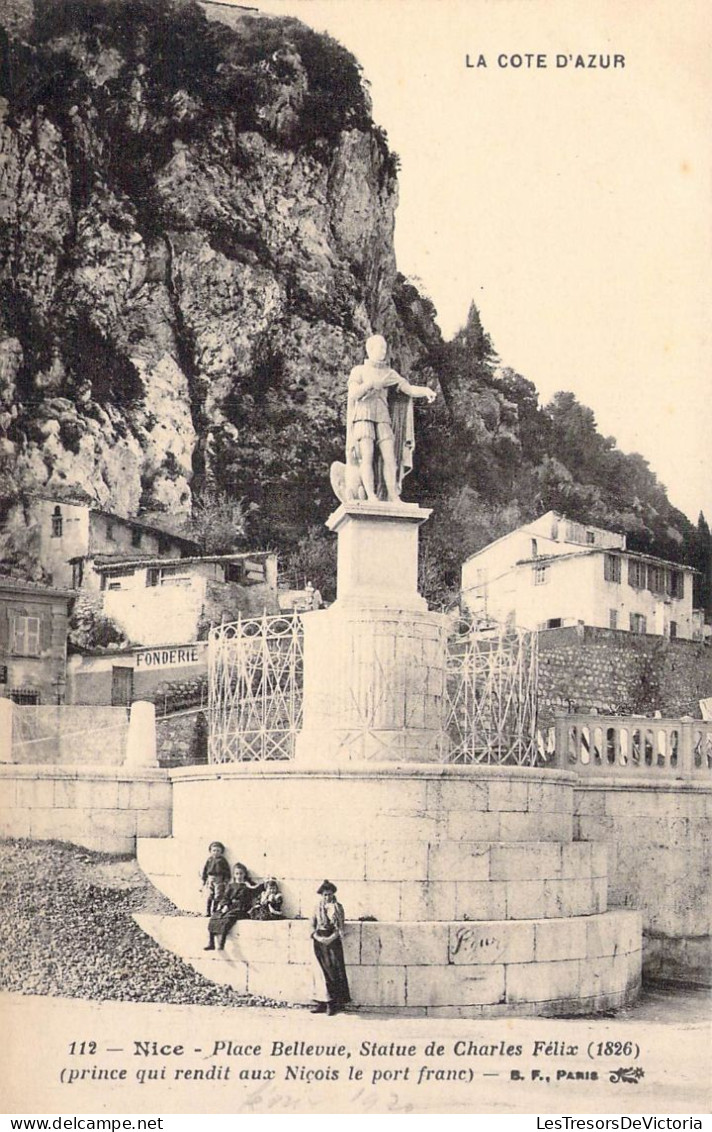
x,y
378,554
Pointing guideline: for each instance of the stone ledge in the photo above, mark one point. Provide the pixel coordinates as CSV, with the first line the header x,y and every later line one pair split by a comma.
x,y
463,965
286,768
41,771
651,783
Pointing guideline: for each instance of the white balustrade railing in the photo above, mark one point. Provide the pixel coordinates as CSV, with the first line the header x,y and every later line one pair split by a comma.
x,y
626,746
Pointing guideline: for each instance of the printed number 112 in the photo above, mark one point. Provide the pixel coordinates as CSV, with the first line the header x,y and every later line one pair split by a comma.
x,y
82,1047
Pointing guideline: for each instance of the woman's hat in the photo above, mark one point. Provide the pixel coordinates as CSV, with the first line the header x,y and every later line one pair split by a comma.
x,y
326,886
217,845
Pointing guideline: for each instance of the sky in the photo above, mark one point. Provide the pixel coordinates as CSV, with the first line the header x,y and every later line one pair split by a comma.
x,y
572,204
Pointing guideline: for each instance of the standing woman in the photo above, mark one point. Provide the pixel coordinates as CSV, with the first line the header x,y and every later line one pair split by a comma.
x,y
327,933
235,905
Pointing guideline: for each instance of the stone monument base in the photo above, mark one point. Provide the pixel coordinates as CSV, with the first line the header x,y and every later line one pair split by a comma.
x,y
463,889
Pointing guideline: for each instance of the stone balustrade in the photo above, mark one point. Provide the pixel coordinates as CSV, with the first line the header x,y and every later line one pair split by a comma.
x,y
627,746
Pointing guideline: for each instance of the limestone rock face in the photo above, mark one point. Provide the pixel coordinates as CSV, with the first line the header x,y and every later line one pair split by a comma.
x,y
196,235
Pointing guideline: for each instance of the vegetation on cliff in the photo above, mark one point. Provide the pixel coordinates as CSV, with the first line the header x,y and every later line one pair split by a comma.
x,y
196,223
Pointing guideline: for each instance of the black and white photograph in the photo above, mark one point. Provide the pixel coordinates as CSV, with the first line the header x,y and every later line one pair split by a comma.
x,y
355,558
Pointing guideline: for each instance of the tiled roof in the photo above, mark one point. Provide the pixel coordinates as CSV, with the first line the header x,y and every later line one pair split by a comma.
x,y
23,585
109,562
639,557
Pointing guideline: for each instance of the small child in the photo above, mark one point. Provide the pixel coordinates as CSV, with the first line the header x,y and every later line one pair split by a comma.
x,y
268,905
215,875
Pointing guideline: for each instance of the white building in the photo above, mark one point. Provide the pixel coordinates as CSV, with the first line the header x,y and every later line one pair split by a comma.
x,y
70,533
553,572
165,601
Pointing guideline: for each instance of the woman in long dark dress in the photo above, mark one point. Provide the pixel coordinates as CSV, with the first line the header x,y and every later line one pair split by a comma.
x,y
327,934
235,905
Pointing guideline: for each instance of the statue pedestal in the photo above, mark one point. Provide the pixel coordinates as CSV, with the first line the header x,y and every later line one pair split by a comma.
x,y
378,554
375,662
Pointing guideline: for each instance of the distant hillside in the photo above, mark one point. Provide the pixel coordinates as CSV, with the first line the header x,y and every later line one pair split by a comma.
x,y
196,236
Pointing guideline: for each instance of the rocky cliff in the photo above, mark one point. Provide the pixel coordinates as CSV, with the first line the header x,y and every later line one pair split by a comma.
x,y
196,236
196,233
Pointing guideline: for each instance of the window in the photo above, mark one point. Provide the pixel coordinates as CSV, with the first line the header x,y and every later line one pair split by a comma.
x,y
171,576
612,568
656,579
638,623
535,549
541,575
135,536
110,581
77,574
57,523
24,695
109,530
637,574
26,635
673,630
590,538
677,584
612,618
553,623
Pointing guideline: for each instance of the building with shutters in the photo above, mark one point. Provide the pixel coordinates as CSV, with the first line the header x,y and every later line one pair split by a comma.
x,y
553,572
70,534
33,641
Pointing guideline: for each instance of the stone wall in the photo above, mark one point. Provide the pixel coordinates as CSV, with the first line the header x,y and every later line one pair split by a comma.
x,y
104,809
69,734
659,861
182,740
494,969
615,672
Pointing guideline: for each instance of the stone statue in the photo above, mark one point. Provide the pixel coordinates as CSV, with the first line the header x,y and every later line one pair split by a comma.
x,y
380,436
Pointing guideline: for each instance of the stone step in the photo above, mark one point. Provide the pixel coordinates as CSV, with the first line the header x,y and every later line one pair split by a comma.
x,y
398,802
486,968
399,881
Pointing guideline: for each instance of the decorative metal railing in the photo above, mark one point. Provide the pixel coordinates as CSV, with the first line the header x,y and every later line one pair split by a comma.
x,y
255,675
255,670
626,746
491,701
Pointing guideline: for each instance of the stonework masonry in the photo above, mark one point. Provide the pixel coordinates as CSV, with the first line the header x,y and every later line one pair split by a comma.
x,y
100,808
614,672
182,739
659,850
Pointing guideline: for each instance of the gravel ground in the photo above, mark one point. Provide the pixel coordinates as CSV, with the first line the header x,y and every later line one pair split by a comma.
x,y
67,930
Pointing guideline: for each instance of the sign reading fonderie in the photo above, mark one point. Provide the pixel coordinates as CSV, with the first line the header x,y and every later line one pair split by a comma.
x,y
170,656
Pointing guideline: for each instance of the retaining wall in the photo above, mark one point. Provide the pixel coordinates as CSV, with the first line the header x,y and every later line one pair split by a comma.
x,y
101,808
587,669
659,860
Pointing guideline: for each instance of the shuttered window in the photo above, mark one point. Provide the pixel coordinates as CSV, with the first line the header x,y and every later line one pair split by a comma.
x,y
26,635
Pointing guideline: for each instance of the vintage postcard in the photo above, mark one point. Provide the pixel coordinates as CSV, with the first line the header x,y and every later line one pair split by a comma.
x,y
356,583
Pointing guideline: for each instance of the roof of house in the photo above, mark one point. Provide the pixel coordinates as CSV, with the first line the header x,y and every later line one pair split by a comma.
x,y
144,526
79,498
106,563
23,585
586,551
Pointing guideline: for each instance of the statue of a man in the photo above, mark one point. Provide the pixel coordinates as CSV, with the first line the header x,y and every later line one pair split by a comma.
x,y
380,436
